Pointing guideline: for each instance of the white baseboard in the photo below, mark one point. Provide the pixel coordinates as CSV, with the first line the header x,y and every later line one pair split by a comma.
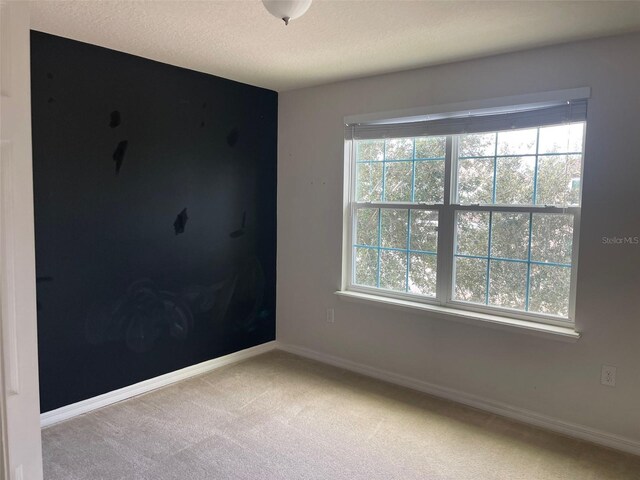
x,y
75,409
519,414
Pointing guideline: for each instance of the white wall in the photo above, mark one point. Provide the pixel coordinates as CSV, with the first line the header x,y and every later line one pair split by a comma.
x,y
553,378
18,330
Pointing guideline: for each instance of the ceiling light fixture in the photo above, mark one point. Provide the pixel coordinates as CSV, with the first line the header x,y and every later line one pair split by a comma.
x,y
287,10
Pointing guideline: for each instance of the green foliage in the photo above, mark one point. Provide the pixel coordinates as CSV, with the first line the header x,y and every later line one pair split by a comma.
x,y
394,228
475,181
393,270
477,145
472,233
367,227
398,182
507,284
517,142
424,230
399,149
551,238
370,150
431,147
422,274
559,180
369,182
366,271
549,290
429,181
514,180
551,241
471,279
510,235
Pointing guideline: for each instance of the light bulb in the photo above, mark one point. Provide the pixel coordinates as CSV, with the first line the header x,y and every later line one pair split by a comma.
x,y
287,10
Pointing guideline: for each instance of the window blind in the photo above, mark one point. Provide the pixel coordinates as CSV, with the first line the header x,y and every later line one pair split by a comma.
x,y
473,122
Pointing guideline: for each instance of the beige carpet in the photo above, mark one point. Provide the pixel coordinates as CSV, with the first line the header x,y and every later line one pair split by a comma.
x,y
278,416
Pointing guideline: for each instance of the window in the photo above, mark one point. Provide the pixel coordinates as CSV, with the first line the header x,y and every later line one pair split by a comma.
x,y
478,213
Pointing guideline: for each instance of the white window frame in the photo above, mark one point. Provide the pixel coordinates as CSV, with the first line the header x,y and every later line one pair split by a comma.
x,y
446,214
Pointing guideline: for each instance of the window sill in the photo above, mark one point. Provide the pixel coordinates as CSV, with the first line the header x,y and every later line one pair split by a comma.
x,y
554,332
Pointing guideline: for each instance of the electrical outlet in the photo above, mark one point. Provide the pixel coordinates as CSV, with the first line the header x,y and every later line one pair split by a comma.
x,y
608,376
330,315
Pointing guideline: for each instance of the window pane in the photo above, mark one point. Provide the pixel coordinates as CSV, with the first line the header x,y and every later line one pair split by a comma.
x,y
475,181
397,186
370,150
394,228
561,138
429,181
472,233
422,274
399,149
367,226
514,180
507,284
551,238
517,142
470,279
393,270
369,182
430,147
477,145
424,230
559,179
366,266
549,290
510,235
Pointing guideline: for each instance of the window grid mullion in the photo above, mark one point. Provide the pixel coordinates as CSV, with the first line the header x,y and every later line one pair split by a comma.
x,y
384,178
379,245
406,281
404,160
413,199
500,259
486,291
446,227
508,155
518,208
353,184
493,201
528,284
535,169
535,201
413,173
574,261
495,171
384,170
399,205
422,252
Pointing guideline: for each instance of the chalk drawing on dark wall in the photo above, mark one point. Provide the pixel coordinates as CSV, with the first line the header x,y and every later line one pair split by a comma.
x,y
181,221
118,154
145,313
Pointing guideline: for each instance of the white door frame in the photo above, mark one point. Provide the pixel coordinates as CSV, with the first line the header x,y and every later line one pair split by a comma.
x,y
18,323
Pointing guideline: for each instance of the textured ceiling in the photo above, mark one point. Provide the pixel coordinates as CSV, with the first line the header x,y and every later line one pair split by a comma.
x,y
334,40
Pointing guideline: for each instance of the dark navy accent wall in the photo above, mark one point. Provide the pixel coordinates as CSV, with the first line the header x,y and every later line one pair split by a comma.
x,y
155,207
